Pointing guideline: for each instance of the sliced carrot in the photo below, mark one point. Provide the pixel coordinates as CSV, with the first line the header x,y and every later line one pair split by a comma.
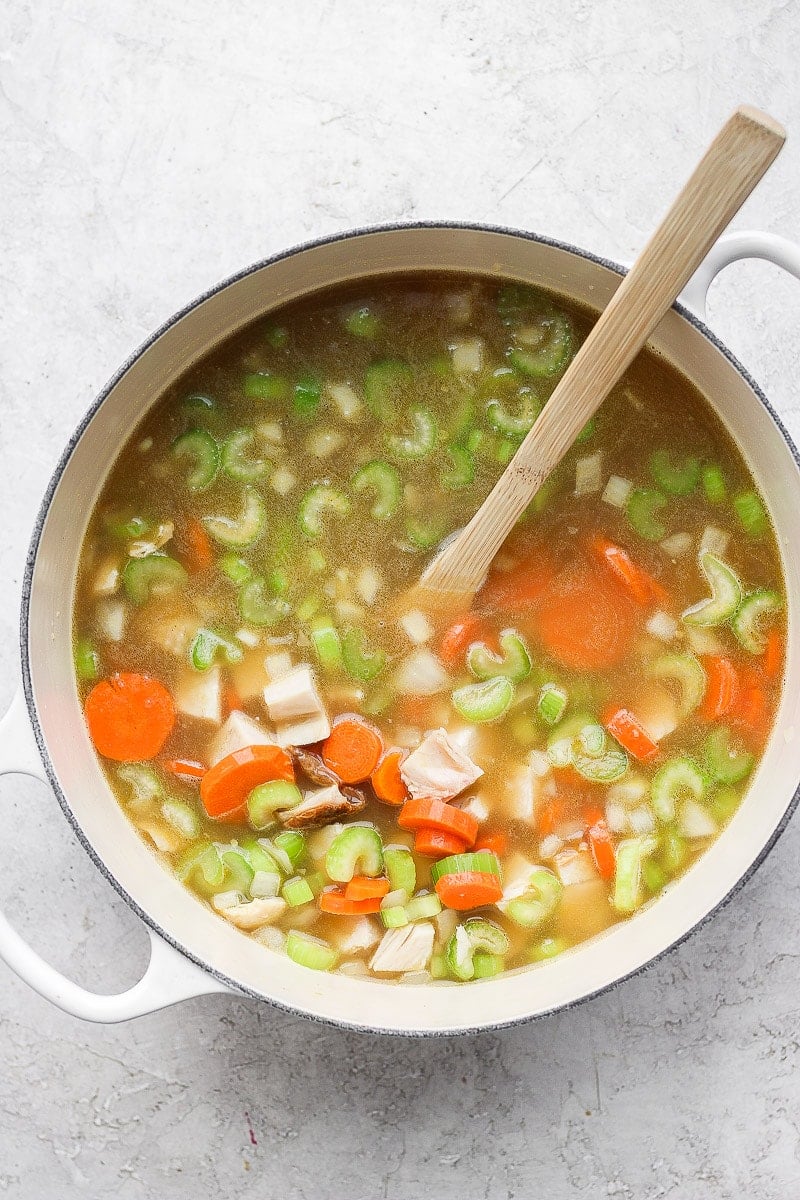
x,y
592,814
434,843
630,733
469,889
199,550
751,711
361,887
435,814
602,847
386,779
226,786
185,768
640,586
497,842
722,687
520,587
773,655
129,716
584,621
231,699
335,901
352,750
459,637
549,816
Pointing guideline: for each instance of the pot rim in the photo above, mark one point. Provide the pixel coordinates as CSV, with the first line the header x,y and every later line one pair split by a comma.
x,y
26,592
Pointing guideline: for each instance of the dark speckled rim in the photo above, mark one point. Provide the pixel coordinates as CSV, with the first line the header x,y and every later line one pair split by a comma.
x,y
26,598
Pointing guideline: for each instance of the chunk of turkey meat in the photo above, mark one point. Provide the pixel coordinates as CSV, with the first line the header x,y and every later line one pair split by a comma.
x,y
406,949
438,769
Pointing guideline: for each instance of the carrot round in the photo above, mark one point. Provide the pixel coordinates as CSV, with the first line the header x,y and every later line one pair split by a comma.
x,y
335,901
459,637
226,786
469,889
436,814
497,842
520,587
387,780
185,768
433,843
630,733
352,750
722,687
129,716
362,887
583,621
640,586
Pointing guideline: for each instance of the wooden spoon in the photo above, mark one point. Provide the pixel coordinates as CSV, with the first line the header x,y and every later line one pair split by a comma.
x,y
723,179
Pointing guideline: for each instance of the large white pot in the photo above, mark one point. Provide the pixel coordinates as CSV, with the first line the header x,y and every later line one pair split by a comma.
x,y
193,950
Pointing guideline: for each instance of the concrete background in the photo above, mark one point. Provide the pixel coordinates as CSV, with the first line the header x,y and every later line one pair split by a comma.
x,y
147,154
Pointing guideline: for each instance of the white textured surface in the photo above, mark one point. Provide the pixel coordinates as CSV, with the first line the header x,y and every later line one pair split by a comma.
x,y
145,156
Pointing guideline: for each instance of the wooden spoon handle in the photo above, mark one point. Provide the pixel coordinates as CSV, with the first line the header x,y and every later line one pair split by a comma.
x,y
723,179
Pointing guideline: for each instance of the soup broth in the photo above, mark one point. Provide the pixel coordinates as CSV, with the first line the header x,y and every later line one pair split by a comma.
x,y
387,792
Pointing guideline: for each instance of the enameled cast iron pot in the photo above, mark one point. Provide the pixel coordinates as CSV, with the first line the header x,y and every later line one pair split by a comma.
x,y
193,950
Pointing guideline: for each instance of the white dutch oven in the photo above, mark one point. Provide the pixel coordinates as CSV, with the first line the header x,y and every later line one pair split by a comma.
x,y
193,950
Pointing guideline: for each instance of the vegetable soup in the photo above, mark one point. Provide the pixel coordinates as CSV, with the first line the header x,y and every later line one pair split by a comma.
x,y
388,793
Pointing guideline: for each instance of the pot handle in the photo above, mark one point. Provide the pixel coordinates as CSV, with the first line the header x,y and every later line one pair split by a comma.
x,y
169,978
729,249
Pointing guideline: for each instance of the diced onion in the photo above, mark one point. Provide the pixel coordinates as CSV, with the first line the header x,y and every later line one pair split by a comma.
x,y
467,356
662,626
106,576
589,474
616,817
111,617
617,491
416,625
348,612
345,400
223,900
460,308
713,541
477,807
282,481
270,431
641,820
145,444
368,584
407,736
703,641
272,938
629,792
324,442
265,884
677,545
248,637
694,821
421,674
550,846
278,665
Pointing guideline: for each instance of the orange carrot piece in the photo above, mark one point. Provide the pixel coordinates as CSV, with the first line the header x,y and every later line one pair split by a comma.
x,y
520,587
722,687
773,655
185,768
630,733
226,786
639,585
469,889
199,550
435,843
352,750
750,711
583,621
436,814
459,637
129,716
334,901
362,887
550,816
602,847
386,779
231,699
497,842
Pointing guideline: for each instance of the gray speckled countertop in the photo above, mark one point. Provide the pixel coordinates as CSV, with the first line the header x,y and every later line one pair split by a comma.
x,y
143,157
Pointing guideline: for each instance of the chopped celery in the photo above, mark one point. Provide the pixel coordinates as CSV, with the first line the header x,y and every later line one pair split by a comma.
x,y
676,780
202,452
258,608
724,803
153,573
143,782
714,484
278,582
480,702
297,892
552,703
515,300
486,966
237,459
400,869
726,594
672,851
537,902
265,385
551,355
276,336
292,843
199,405
725,763
181,816
87,660
559,743
677,478
260,859
395,917
241,531
654,877
685,671
549,947
238,871
268,799
319,500
384,481
751,514
377,701
588,431
483,861
514,662
236,569
362,322
201,868
310,952
307,607
327,644
357,850
207,642
306,396
514,425
641,509
360,660
421,442
595,759
476,935
756,612
462,471
631,853
438,967
126,524
387,387
423,535
421,908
